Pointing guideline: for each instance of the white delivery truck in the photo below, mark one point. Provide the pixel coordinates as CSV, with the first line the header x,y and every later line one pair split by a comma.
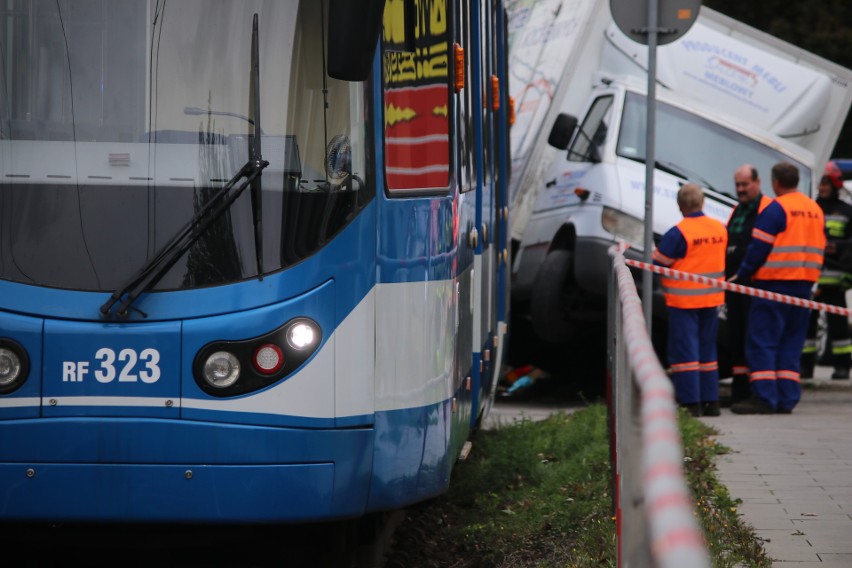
x,y
726,95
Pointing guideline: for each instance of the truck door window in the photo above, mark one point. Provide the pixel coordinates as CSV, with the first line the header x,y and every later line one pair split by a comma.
x,y
593,131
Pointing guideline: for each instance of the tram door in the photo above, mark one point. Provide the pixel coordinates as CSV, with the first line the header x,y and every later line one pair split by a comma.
x,y
477,143
430,207
489,224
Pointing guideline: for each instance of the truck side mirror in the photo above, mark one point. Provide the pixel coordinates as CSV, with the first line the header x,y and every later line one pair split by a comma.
x,y
563,129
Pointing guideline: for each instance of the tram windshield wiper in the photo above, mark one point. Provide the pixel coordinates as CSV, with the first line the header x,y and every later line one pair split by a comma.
x,y
198,111
254,152
151,273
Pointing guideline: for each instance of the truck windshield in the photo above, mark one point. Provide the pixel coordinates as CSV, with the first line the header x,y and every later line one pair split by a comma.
x,y
705,151
120,119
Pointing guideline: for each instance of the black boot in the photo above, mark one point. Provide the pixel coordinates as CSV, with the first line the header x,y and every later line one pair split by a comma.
x,y
752,406
806,365
740,388
840,373
711,409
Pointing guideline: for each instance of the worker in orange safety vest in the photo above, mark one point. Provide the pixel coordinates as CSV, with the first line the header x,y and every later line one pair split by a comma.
x,y
697,245
785,256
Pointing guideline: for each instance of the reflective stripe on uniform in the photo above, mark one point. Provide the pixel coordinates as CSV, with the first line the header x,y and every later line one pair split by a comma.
x,y
789,376
841,347
762,376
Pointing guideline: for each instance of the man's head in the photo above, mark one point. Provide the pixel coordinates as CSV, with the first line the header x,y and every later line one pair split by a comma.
x,y
826,188
831,182
747,183
785,178
690,198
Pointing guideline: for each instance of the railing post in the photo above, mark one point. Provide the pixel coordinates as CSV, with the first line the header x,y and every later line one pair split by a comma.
x,y
631,527
614,359
655,519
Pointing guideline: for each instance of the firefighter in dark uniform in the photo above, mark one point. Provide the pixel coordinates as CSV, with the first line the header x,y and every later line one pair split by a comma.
x,y
784,256
740,223
835,278
697,245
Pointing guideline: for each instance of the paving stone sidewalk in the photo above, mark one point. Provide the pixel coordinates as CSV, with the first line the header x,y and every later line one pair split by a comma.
x,y
793,474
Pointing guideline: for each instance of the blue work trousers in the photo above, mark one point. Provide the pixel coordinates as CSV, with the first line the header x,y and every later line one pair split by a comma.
x,y
692,354
776,335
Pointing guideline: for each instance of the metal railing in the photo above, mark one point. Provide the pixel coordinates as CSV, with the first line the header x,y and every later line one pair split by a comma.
x,y
656,524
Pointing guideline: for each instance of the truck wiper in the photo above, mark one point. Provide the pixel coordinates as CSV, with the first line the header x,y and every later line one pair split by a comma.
x,y
151,273
676,170
685,173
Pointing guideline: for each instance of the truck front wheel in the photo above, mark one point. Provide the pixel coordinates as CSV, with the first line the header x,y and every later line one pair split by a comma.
x,y
551,298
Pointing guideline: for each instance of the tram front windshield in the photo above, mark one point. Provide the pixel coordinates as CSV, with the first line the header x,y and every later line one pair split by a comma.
x,y
119,119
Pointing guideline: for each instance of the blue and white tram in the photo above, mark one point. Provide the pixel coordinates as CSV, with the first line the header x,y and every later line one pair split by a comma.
x,y
252,254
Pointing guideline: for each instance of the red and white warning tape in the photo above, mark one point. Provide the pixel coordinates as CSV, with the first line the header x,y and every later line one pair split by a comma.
x,y
749,291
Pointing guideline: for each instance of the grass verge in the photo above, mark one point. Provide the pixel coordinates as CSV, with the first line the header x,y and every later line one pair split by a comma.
x,y
538,494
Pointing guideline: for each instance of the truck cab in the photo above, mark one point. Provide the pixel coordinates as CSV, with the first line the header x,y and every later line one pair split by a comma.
x,y
726,95
594,194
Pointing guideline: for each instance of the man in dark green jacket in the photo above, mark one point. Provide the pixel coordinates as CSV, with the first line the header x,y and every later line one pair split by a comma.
x,y
740,224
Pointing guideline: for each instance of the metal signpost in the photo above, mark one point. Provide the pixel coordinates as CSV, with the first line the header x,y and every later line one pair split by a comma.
x,y
653,23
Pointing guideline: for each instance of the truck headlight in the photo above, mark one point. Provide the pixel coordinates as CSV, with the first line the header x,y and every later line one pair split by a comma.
x,y
623,226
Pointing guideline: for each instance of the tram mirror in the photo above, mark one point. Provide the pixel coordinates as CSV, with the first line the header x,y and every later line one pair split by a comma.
x,y
353,33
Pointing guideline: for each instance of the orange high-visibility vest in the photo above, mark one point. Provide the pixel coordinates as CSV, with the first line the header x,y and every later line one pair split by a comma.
x,y
762,202
797,251
706,242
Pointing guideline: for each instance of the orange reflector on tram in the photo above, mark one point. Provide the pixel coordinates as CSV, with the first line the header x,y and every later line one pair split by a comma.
x,y
458,52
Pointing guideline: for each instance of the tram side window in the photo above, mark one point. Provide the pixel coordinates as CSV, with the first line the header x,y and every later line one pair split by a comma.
x,y
488,51
72,70
416,98
321,108
465,105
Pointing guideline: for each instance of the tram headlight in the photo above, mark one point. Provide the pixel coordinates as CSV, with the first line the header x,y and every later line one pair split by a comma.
x,y
221,369
301,335
234,367
14,366
10,366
